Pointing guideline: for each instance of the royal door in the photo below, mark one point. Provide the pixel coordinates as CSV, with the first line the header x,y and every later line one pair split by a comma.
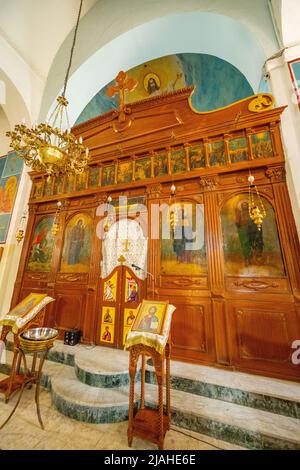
x,y
120,294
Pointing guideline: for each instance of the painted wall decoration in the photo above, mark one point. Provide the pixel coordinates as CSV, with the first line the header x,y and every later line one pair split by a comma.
x,y
131,289
107,330
110,288
10,172
294,67
218,83
238,150
160,165
178,161
41,246
175,257
81,181
77,244
70,184
248,251
216,152
262,145
93,178
108,175
197,156
143,168
124,172
48,187
129,317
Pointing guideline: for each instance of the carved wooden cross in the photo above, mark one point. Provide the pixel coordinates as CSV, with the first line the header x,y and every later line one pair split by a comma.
x,y
123,83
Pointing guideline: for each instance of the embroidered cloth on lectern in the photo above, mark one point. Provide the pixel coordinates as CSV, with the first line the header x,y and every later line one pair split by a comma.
x,y
153,340
25,311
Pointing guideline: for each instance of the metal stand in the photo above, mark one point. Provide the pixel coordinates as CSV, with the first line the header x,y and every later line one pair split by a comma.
x,y
30,377
147,423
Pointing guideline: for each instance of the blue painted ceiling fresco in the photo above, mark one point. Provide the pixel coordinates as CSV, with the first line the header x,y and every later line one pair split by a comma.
x,y
218,83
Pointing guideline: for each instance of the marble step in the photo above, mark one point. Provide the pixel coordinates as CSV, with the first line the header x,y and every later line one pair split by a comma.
x,y
86,403
244,426
263,393
107,369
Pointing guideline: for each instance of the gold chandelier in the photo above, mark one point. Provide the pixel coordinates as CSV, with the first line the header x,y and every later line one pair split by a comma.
x,y
47,146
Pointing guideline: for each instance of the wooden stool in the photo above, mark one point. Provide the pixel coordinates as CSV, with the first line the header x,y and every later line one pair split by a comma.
x,y
148,423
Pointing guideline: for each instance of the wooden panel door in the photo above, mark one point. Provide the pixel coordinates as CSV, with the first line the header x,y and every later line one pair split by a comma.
x,y
120,294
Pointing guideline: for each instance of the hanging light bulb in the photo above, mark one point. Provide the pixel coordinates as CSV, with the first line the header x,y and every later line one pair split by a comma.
x,y
173,189
257,211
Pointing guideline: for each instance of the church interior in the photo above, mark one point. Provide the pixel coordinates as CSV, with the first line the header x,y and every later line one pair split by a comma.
x,y
149,225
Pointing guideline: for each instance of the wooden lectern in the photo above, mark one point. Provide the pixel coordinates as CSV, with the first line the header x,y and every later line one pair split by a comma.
x,y
150,337
27,314
149,423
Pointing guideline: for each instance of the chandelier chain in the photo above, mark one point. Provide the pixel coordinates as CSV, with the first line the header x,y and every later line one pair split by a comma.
x,y
72,50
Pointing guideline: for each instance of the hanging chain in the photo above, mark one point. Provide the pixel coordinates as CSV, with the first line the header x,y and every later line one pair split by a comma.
x,y
72,50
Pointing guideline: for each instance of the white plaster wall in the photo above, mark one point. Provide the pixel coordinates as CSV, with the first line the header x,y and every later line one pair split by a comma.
x,y
282,88
4,126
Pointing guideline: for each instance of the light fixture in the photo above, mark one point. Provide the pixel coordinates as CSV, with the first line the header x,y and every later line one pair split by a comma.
x,y
21,229
173,189
109,219
47,147
257,211
55,226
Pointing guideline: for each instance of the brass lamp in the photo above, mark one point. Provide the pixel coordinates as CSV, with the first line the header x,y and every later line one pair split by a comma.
x,y
47,146
257,211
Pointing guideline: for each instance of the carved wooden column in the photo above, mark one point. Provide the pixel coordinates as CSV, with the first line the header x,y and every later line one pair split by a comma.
x,y
153,193
216,267
287,230
26,245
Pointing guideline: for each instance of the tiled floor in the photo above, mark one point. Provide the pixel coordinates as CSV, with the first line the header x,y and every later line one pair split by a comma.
x,y
24,432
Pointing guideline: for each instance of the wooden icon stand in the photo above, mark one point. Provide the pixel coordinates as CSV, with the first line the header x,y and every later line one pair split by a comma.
x,y
14,382
148,423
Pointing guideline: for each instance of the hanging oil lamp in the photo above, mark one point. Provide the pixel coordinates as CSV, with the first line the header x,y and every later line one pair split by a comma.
x,y
257,211
21,229
108,218
56,226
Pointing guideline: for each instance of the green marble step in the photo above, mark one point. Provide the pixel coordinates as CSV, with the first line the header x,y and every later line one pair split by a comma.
x,y
244,426
107,369
262,393
86,403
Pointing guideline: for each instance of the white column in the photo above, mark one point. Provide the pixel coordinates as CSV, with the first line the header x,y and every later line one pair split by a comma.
x,y
283,91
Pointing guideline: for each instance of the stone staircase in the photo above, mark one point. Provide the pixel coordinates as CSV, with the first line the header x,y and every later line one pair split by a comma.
x,y
91,384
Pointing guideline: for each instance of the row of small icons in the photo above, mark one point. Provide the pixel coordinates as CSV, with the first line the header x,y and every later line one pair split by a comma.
x,y
295,358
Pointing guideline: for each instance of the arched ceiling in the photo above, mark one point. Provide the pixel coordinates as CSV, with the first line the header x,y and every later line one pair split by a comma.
x,y
133,32
39,34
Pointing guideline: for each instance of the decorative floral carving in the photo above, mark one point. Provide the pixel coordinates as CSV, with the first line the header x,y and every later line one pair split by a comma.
x,y
256,285
208,183
276,173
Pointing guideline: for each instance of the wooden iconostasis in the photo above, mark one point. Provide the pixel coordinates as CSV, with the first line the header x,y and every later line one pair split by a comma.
x,y
236,292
